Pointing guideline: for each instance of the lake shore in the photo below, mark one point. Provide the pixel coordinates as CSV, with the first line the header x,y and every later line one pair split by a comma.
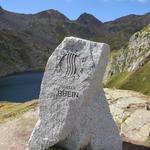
x,y
20,87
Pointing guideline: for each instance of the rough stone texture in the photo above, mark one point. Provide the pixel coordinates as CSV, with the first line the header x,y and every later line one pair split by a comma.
x,y
131,112
137,127
132,57
74,112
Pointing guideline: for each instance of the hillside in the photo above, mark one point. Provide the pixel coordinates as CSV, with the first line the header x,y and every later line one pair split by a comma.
x,y
130,111
27,40
130,67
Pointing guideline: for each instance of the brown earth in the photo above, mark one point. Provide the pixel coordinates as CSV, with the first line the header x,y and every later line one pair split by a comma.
x,y
16,130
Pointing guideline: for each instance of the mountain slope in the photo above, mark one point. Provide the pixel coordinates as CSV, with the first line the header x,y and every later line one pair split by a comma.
x,y
28,40
123,28
130,68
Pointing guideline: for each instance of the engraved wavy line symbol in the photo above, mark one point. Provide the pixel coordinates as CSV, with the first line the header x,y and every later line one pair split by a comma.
x,y
71,65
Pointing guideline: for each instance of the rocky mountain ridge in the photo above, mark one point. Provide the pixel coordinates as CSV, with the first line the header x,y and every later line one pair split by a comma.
x,y
134,55
130,66
26,41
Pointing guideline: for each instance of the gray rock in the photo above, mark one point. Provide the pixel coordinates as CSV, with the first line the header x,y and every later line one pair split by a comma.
x,y
132,57
73,109
131,112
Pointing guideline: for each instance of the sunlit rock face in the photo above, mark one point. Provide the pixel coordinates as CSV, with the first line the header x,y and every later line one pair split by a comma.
x,y
74,113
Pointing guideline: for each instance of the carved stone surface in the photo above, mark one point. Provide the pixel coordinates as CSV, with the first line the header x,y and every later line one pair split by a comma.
x,y
74,112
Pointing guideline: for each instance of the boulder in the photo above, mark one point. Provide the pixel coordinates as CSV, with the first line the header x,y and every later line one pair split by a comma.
x,y
136,128
131,112
74,112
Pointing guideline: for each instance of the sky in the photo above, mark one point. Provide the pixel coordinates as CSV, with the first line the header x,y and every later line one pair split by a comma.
x,y
104,10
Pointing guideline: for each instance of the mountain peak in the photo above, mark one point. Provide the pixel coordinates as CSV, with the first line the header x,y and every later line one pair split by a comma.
x,y
1,8
52,13
147,14
86,18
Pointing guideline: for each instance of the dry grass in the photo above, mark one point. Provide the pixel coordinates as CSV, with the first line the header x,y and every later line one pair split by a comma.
x,y
13,110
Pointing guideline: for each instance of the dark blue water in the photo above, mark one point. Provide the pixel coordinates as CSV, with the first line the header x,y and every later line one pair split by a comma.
x,y
20,87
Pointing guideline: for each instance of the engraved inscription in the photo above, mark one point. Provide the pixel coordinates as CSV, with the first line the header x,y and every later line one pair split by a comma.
x,y
64,93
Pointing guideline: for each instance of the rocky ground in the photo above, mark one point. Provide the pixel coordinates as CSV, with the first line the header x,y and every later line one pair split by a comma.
x,y
130,110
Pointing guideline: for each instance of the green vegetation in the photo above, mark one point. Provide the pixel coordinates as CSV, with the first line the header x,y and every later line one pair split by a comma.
x,y
138,80
117,80
61,32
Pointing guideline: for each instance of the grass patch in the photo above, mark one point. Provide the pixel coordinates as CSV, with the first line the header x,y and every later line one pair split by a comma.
x,y
138,80
12,110
117,80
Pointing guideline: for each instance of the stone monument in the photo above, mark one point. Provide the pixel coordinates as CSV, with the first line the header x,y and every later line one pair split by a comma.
x,y
74,113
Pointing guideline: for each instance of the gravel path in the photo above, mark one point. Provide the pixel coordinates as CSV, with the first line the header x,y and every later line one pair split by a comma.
x,y
15,133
